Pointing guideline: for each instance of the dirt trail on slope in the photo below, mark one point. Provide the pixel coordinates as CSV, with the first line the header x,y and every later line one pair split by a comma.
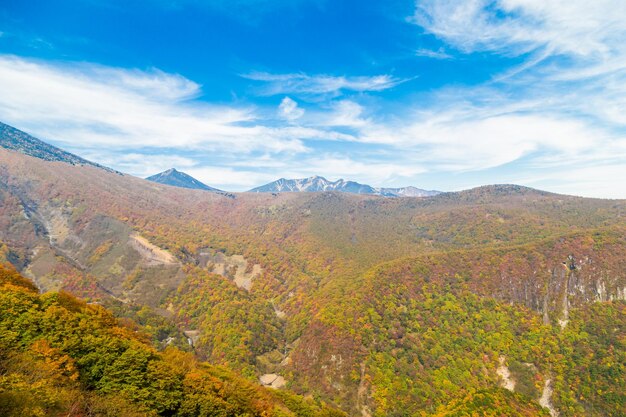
x,y
152,253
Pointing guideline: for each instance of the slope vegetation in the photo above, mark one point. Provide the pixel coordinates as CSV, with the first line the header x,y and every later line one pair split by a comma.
x,y
378,306
61,356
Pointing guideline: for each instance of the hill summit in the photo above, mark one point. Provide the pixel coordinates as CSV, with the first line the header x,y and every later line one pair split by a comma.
x,y
176,178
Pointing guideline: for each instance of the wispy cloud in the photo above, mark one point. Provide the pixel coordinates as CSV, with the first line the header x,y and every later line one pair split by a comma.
x,y
559,110
600,180
429,53
334,166
578,62
86,106
458,137
274,84
27,39
518,26
143,122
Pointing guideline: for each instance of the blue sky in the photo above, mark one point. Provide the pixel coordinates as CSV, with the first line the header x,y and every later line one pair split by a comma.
x,y
439,94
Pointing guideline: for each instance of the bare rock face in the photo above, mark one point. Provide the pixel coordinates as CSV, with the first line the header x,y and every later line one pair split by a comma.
x,y
505,374
267,379
279,382
272,381
192,336
546,398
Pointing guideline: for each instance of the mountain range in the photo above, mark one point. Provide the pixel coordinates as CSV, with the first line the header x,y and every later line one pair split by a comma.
x,y
17,140
501,300
317,184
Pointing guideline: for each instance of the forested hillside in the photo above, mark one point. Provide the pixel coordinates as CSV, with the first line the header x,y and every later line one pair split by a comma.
x,y
60,356
378,306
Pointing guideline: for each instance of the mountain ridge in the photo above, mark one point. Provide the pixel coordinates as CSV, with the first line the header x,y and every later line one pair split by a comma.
x,y
16,140
317,183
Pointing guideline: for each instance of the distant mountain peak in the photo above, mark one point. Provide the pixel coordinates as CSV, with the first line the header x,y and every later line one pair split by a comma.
x,y
179,179
318,183
18,141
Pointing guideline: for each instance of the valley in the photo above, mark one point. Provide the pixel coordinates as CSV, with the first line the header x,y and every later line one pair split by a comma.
x,y
377,306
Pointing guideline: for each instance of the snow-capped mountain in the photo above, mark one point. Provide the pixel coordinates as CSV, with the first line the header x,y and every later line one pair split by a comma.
x,y
180,179
318,183
313,184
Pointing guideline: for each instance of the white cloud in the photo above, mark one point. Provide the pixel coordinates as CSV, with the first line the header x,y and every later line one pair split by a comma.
x,y
320,84
580,28
483,143
91,106
152,84
366,168
289,110
475,138
429,53
568,40
561,109
346,113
